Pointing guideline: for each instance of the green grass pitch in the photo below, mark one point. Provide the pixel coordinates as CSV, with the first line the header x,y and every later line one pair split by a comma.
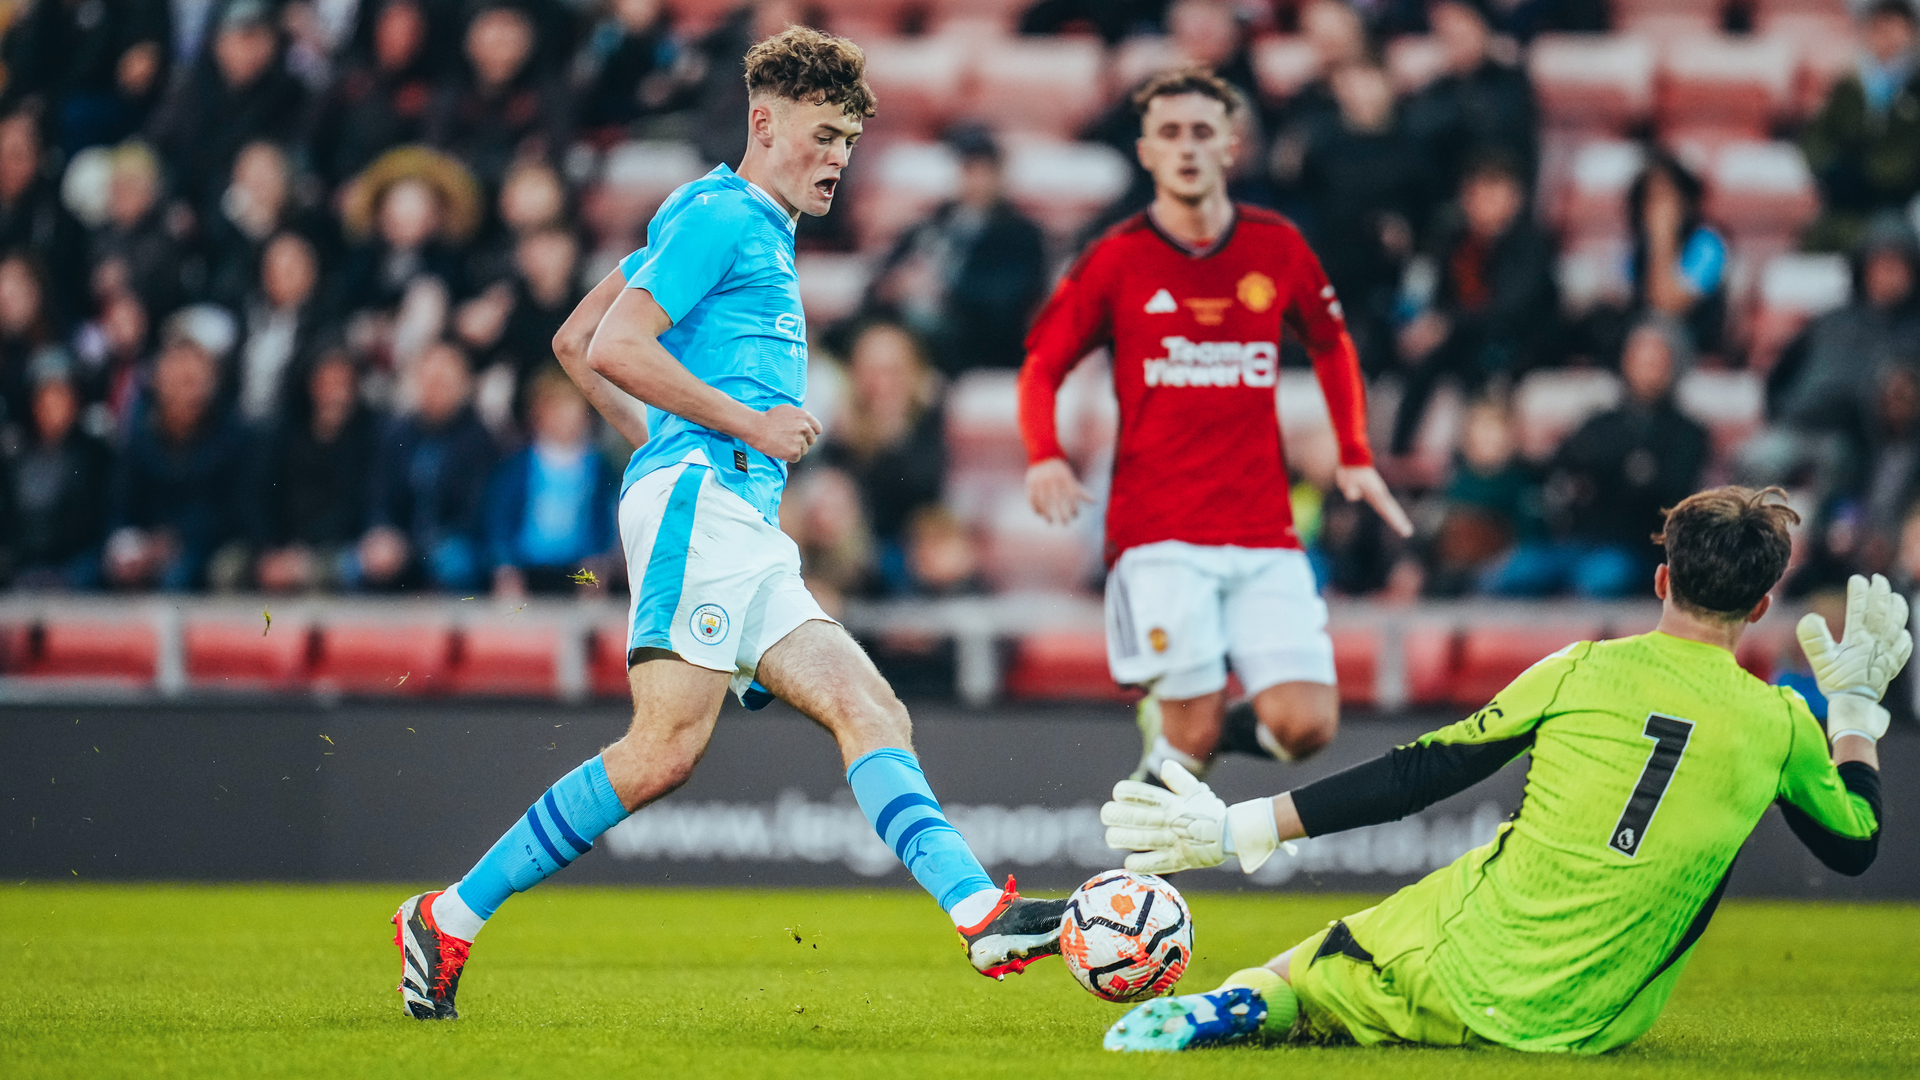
x,y
215,982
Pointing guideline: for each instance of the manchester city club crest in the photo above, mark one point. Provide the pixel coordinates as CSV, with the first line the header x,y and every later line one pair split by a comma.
x,y
709,624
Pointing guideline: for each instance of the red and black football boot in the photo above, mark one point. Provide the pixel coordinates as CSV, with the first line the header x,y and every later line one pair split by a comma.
x,y
430,960
1018,931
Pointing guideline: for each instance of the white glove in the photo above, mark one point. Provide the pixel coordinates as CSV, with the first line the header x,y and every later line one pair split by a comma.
x,y
1185,826
1875,644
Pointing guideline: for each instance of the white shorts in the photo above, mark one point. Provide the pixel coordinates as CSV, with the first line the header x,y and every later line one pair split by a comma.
x,y
1176,612
712,580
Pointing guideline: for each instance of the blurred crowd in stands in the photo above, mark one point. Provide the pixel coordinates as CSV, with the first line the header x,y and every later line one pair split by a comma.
x,y
278,280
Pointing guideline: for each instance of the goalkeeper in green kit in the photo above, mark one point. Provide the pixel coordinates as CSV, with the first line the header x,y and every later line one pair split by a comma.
x,y
1653,758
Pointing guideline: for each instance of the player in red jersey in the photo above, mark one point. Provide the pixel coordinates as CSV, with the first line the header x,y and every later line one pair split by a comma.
x,y
1204,564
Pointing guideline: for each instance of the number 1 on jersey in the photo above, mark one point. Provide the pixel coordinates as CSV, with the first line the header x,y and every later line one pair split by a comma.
x,y
1669,736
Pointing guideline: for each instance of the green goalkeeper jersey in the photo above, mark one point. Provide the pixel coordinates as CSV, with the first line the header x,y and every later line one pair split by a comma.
x,y
1653,759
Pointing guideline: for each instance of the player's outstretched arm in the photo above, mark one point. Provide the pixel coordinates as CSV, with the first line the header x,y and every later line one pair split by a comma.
x,y
1185,826
626,351
621,409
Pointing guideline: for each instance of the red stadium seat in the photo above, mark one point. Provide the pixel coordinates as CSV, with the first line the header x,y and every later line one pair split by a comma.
x,y
635,178
1021,551
983,420
1048,86
1282,65
832,284
1414,60
1592,272
383,658
1427,655
1793,289
918,80
1139,58
1591,82
1356,664
864,20
1723,82
248,653
607,661
1824,48
1731,405
78,649
898,186
1064,665
1761,188
507,661
1549,405
1592,202
1063,185
1492,657
1660,25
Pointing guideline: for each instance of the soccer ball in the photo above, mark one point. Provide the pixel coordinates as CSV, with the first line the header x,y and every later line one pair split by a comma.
x,y
1127,937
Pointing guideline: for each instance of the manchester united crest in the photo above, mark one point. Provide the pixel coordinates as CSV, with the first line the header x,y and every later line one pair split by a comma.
x,y
1258,292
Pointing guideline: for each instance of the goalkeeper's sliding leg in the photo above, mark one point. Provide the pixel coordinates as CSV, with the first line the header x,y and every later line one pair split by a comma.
x,y
1327,989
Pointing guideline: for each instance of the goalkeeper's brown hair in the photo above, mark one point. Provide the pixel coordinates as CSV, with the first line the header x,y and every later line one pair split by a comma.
x,y
1726,548
803,64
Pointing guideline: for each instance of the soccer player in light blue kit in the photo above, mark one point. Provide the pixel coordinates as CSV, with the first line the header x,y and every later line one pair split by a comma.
x,y
699,339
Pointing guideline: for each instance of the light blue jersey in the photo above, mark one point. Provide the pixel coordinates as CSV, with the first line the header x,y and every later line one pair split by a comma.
x,y
719,262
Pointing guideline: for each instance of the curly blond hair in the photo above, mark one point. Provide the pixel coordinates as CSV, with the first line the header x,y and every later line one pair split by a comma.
x,y
803,64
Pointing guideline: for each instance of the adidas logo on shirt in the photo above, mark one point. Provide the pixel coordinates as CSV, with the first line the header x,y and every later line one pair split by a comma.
x,y
1162,304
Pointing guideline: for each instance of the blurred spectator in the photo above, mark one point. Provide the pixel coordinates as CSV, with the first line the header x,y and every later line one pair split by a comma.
x,y
1494,312
942,557
550,507
110,350
1113,20
238,93
94,69
429,484
1679,265
969,277
1367,185
512,324
1864,146
822,511
1891,477
53,496
382,99
1607,485
255,206
32,217
532,197
625,70
717,66
24,330
891,443
1479,104
1819,381
501,108
1491,503
177,499
1313,114
408,212
136,248
312,496
1212,34
281,319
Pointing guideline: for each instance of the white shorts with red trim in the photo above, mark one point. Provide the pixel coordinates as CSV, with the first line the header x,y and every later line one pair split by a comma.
x,y
1177,613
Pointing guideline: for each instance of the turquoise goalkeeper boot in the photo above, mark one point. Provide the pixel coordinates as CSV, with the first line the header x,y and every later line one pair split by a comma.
x,y
1189,1021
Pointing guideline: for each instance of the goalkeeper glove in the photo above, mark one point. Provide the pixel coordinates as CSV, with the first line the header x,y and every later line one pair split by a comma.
x,y
1185,826
1854,672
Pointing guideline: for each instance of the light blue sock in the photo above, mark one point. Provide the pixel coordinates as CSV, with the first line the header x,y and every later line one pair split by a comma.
x,y
893,793
558,828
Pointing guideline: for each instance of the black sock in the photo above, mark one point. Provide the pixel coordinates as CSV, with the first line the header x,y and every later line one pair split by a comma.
x,y
1240,733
